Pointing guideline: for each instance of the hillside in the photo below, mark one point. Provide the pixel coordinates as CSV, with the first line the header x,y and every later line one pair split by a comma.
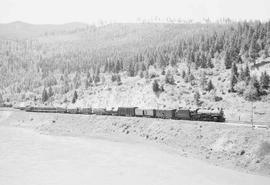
x,y
21,30
116,65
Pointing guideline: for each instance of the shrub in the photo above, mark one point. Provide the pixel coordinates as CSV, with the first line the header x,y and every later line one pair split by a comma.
x,y
155,86
240,87
251,93
183,74
119,82
264,149
169,79
114,78
210,86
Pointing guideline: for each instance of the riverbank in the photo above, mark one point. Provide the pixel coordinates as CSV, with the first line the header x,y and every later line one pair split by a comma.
x,y
241,148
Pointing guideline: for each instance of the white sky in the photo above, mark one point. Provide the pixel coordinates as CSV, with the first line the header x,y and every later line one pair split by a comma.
x,y
88,11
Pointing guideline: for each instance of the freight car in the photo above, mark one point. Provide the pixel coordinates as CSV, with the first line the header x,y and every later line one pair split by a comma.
x,y
165,114
85,110
139,112
99,111
183,114
151,113
126,111
73,110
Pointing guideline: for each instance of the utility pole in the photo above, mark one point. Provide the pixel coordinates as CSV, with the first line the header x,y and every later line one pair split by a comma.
x,y
252,124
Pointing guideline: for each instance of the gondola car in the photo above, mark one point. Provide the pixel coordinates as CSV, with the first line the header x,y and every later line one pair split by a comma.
x,y
126,111
165,114
149,113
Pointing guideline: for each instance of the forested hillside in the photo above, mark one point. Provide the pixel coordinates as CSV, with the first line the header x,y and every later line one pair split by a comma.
x,y
229,58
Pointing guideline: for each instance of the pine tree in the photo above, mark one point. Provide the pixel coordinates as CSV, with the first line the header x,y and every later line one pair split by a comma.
x,y
86,83
44,97
131,70
183,74
203,81
235,70
233,79
241,74
50,92
75,97
247,74
227,60
253,50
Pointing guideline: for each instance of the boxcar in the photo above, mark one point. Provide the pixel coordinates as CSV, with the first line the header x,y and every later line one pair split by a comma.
x,y
112,112
61,110
99,111
126,111
44,109
73,110
28,109
139,112
182,114
149,113
85,110
165,114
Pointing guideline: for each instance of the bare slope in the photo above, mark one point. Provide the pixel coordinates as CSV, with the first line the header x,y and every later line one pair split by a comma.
x,y
225,145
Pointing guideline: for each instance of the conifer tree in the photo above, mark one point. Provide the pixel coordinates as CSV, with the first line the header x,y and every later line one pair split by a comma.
x,y
227,60
50,92
44,97
75,97
247,74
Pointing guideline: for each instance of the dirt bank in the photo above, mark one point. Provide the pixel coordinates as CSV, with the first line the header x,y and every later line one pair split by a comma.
x,y
235,147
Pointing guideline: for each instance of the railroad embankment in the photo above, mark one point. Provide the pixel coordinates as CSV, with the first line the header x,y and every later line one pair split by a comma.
x,y
231,146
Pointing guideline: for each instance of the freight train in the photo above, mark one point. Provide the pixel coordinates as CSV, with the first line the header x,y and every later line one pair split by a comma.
x,y
177,114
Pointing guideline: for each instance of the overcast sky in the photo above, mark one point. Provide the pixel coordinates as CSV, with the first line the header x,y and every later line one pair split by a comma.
x,y
89,11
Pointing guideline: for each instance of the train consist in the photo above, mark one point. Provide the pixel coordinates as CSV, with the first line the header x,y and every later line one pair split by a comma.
x,y
180,114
